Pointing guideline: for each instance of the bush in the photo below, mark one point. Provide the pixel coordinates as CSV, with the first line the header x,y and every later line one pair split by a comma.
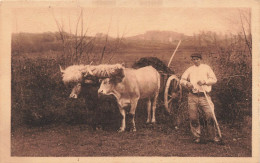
x,y
39,96
232,64
35,85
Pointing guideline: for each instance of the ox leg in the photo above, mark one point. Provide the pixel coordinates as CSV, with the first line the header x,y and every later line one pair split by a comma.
x,y
148,111
122,111
132,114
154,108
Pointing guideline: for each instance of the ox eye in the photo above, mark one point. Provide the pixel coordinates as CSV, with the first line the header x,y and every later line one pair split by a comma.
x,y
109,82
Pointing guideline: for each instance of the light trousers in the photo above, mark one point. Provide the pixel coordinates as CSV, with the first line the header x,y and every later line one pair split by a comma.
x,y
195,103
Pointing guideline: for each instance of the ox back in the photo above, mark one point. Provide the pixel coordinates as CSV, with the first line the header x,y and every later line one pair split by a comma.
x,y
160,66
141,78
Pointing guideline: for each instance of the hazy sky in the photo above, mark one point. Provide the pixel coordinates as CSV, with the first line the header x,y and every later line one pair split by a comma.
x,y
128,21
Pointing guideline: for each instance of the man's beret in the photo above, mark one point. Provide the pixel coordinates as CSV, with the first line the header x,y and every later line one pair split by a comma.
x,y
196,55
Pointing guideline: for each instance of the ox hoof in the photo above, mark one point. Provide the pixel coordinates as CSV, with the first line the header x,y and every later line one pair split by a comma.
x,y
133,130
98,128
120,130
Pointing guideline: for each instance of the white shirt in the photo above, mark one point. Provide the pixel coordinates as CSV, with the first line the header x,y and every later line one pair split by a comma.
x,y
199,73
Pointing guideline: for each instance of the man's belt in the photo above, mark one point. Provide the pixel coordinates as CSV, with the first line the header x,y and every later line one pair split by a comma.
x,y
199,93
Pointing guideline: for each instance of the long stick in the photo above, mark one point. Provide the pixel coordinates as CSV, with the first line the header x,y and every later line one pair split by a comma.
x,y
174,53
212,110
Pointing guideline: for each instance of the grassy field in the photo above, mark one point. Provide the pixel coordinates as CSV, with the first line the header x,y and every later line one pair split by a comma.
x,y
45,122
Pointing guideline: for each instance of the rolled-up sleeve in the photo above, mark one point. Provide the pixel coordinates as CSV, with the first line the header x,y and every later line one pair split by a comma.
x,y
212,79
184,77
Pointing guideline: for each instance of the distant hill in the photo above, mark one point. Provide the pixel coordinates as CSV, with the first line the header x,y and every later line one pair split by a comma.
x,y
161,36
40,42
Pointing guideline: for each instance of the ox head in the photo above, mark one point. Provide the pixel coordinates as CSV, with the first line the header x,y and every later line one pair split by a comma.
x,y
108,85
74,76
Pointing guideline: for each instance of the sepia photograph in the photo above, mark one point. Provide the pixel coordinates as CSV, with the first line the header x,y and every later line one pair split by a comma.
x,y
109,79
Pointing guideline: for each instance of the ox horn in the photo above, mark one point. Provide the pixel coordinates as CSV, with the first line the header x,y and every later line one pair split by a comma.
x,y
89,71
61,70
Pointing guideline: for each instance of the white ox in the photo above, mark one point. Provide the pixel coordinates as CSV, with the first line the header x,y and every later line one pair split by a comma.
x,y
75,76
129,87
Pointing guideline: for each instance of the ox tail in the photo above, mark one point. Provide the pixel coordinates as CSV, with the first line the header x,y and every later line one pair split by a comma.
x,y
158,87
159,82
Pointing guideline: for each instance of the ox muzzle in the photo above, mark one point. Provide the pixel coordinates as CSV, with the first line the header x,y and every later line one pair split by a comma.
x,y
100,93
75,91
73,95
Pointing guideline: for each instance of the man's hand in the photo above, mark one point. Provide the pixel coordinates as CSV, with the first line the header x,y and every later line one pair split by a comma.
x,y
189,85
201,82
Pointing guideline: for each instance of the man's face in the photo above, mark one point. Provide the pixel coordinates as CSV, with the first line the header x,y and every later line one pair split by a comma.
x,y
196,61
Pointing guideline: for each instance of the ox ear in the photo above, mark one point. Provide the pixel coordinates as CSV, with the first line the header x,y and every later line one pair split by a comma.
x,y
116,79
100,80
123,64
88,81
61,70
119,77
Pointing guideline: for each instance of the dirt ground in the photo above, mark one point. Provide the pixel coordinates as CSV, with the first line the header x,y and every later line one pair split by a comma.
x,y
149,140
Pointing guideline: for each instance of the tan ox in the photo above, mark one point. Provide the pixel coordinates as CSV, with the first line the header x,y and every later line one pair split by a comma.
x,y
129,87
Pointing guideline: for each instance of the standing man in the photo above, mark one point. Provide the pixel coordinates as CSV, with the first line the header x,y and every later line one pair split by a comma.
x,y
197,78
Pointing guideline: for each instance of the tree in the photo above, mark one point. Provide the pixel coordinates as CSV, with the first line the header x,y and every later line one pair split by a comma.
x,y
245,19
77,45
